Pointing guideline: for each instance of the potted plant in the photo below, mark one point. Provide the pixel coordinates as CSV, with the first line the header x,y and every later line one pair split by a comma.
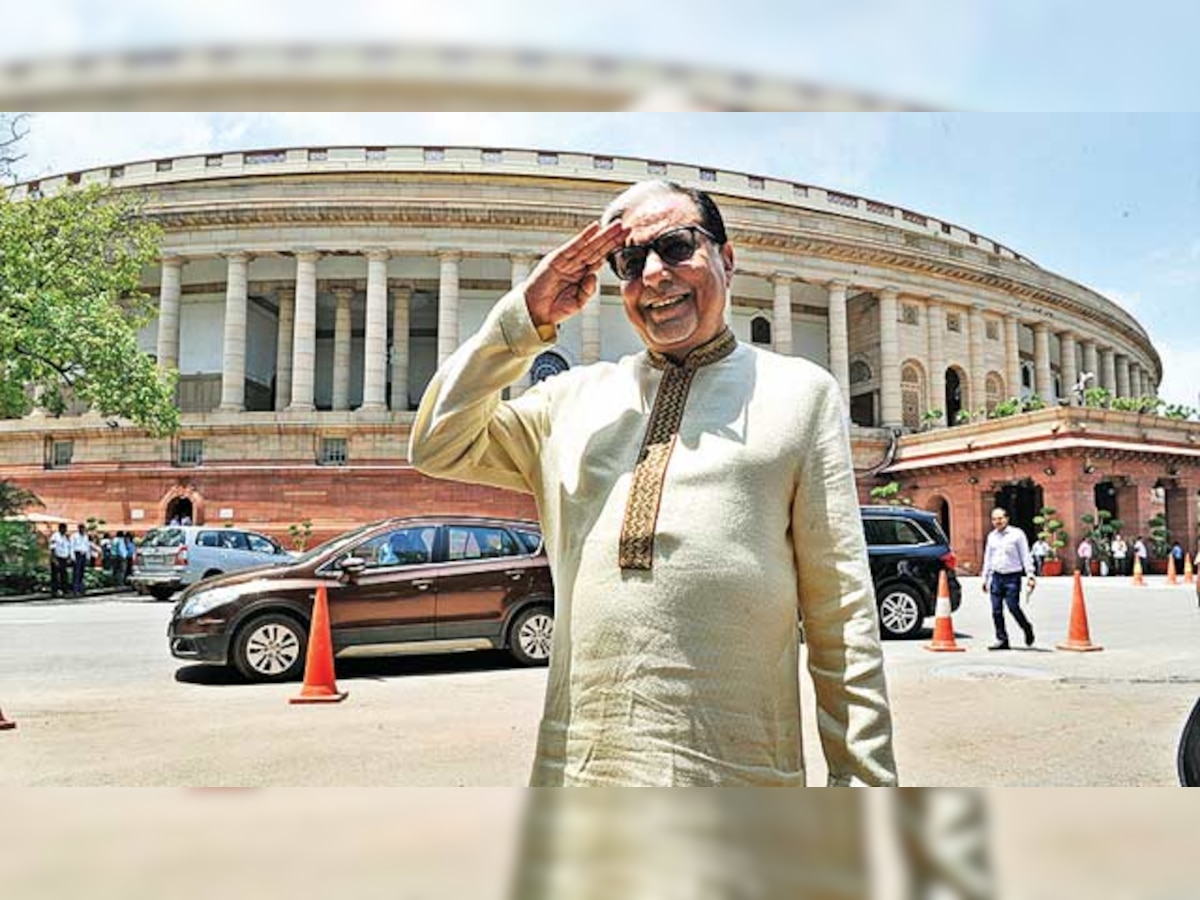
x,y
1050,530
1099,529
1160,544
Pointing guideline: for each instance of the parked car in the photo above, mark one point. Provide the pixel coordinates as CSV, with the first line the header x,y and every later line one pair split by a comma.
x,y
402,585
177,556
907,549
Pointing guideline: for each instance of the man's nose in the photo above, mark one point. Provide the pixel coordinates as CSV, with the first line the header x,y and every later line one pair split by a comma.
x,y
654,270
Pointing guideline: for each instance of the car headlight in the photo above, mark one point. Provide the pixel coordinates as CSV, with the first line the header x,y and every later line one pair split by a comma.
x,y
203,601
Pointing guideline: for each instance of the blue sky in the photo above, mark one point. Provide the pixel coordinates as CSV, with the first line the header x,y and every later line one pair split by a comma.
x,y
1111,201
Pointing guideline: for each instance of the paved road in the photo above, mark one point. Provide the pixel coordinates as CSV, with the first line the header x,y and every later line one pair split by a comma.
x,y
99,701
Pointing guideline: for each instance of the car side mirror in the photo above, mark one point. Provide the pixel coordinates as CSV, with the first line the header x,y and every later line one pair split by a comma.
x,y
351,567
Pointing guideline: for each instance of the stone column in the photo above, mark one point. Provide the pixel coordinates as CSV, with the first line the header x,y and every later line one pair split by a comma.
x,y
341,348
839,339
1067,365
891,411
1135,380
304,338
978,363
168,312
1090,364
1012,356
782,331
375,334
233,357
935,327
1108,370
283,346
401,296
448,305
1042,373
1123,376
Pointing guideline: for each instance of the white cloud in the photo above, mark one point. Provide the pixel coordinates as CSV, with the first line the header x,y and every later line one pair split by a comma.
x,y
1181,370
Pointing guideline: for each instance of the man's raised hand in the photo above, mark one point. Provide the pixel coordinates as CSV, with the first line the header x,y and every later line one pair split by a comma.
x,y
566,277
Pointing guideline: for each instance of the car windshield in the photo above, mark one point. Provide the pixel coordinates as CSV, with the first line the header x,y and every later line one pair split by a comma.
x,y
333,544
163,537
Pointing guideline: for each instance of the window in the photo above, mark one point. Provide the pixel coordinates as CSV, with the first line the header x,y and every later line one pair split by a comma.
x,y
491,157
547,159
860,372
893,533
602,162
214,162
656,168
945,228
61,453
760,330
333,452
208,539
708,175
954,322
531,539
435,154
547,365
164,165
116,172
402,547
318,155
473,542
260,544
993,330
74,178
376,153
233,540
191,451
799,190
909,314
756,184
841,199
263,157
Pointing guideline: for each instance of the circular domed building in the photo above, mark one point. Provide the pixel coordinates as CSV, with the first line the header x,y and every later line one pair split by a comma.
x,y
306,296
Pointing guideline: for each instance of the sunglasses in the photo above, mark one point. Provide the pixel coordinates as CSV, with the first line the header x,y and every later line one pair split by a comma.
x,y
673,247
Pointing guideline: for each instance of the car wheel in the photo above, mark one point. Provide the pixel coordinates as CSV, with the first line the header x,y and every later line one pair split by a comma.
x,y
901,612
530,638
270,648
162,594
211,573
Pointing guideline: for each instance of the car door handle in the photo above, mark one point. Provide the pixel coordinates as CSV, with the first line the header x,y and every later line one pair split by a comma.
x,y
515,574
422,584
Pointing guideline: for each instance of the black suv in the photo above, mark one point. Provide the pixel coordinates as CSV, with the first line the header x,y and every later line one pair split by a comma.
x,y
907,549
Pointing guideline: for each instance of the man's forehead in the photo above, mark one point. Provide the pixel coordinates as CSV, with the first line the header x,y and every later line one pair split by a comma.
x,y
656,206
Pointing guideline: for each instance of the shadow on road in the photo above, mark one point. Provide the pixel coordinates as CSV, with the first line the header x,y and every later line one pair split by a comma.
x,y
375,669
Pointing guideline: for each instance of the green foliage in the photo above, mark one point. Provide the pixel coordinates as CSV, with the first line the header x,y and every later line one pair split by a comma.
x,y
1100,529
15,500
1006,408
71,308
1097,397
889,495
931,418
1178,411
1032,402
963,417
1160,537
1050,530
301,532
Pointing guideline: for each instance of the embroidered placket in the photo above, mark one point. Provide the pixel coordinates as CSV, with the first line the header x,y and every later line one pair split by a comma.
x,y
645,492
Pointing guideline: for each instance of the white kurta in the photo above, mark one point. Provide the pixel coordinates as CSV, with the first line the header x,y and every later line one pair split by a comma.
x,y
686,674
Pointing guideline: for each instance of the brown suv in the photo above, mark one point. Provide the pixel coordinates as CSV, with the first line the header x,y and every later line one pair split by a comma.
x,y
400,585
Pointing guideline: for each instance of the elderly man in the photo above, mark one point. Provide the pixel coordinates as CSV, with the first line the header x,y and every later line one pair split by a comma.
x,y
1005,559
695,498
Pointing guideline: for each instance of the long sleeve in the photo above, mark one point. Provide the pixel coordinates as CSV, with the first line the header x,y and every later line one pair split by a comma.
x,y
837,601
988,563
463,430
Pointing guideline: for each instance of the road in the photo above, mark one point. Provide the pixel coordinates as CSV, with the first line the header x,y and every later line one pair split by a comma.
x,y
99,701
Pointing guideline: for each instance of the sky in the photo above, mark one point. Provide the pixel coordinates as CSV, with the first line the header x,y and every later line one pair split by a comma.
x,y
1111,201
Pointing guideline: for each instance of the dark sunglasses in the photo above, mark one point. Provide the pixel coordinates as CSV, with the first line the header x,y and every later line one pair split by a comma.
x,y
672,247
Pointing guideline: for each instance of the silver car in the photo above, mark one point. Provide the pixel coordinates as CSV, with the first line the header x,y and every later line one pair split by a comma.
x,y
175,556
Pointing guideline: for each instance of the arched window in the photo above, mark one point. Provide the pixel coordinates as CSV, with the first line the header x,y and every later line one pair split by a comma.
x,y
994,390
912,394
547,364
860,372
760,331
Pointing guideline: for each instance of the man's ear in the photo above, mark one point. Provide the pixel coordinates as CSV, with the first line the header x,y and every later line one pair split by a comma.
x,y
727,261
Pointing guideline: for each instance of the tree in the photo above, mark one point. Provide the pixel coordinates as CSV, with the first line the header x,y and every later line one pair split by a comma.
x,y
1050,530
71,308
889,495
12,130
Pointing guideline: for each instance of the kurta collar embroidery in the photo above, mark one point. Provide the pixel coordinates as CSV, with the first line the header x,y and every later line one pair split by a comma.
x,y
645,493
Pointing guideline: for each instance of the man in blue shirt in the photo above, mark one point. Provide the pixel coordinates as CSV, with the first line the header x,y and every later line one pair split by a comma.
x,y
1005,560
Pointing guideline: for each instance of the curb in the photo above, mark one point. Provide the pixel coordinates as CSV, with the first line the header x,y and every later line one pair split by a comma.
x,y
98,592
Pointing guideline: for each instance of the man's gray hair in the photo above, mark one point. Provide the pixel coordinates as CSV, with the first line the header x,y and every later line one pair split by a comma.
x,y
710,216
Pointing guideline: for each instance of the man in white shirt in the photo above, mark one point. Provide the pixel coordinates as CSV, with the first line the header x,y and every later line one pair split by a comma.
x,y
60,560
1005,560
81,549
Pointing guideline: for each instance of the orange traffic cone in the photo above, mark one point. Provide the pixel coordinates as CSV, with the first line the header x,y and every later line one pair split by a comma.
x,y
943,626
1189,574
319,684
1137,572
6,724
1077,634
1171,577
